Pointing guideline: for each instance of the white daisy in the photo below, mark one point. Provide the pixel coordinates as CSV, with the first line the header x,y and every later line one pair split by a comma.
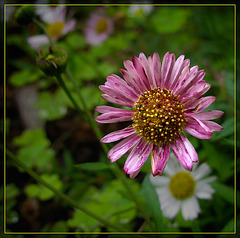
x,y
179,189
137,9
56,25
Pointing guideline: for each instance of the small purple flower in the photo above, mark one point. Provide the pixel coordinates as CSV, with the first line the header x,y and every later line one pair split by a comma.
x,y
57,26
98,28
166,99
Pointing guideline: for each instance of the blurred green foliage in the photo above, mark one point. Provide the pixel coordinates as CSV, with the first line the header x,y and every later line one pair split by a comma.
x,y
75,164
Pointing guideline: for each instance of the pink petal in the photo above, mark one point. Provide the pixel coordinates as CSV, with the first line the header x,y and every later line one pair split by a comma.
x,y
183,86
141,71
115,93
156,70
123,147
176,71
133,175
147,66
105,109
116,100
134,75
113,117
128,78
184,152
195,95
194,129
167,64
199,104
159,158
194,79
120,85
213,125
117,135
37,41
181,79
137,157
69,26
209,115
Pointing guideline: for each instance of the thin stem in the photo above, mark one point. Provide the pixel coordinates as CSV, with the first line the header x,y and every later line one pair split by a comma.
x,y
60,194
40,25
114,166
62,84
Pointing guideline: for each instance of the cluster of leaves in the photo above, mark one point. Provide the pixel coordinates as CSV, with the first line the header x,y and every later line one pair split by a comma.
x,y
202,35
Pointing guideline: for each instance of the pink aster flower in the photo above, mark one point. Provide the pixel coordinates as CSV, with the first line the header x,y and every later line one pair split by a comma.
x,y
166,99
98,28
57,25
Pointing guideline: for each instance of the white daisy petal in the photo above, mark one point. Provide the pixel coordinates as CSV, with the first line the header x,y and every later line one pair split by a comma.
x,y
159,180
172,210
204,191
190,209
201,171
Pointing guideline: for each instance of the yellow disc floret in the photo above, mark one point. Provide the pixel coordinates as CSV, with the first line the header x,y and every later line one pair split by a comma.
x,y
159,116
101,26
182,185
55,29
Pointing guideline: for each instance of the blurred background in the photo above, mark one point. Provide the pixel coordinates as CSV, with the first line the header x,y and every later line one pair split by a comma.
x,y
45,132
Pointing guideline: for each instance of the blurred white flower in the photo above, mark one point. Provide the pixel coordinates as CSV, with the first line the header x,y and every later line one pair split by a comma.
x,y
57,25
140,9
98,28
179,189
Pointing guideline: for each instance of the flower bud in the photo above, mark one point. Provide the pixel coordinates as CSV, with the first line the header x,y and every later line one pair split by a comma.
x,y
25,14
52,60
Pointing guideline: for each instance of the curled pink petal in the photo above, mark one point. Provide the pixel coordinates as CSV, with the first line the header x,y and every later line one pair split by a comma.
x,y
185,152
123,147
159,158
137,157
194,129
213,125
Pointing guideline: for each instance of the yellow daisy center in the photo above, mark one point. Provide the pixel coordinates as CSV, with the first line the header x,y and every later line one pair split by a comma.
x,y
101,26
55,29
159,116
182,185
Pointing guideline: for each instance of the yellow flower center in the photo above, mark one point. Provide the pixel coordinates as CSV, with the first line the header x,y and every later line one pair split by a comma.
x,y
159,116
55,29
139,12
182,185
101,26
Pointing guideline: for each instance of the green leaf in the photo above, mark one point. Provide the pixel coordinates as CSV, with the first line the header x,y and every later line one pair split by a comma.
x,y
92,166
224,191
41,192
150,194
23,77
75,41
52,106
229,227
107,203
34,149
169,20
11,190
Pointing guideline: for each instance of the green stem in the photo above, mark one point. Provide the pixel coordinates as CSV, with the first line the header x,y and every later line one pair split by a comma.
x,y
62,84
114,166
60,194
40,25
